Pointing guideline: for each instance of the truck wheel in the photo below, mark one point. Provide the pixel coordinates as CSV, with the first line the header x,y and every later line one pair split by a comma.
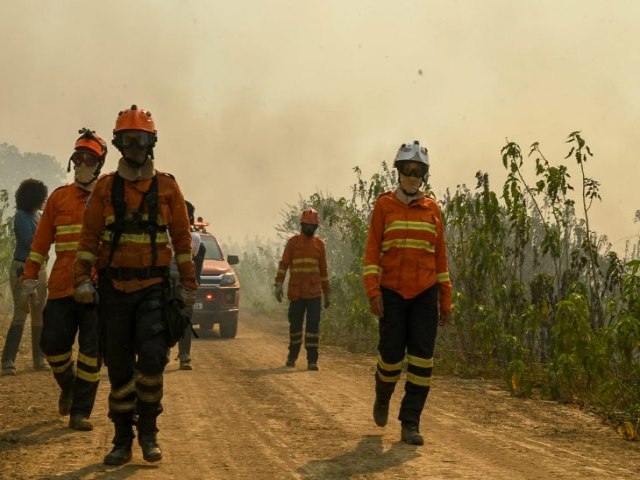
x,y
229,327
205,325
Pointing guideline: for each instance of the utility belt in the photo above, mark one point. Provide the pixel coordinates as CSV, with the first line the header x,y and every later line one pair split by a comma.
x,y
146,273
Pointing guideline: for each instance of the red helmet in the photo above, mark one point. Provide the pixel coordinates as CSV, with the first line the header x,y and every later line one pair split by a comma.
x,y
309,215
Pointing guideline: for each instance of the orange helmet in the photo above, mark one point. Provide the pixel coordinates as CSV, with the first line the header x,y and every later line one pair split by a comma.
x,y
309,215
135,118
90,140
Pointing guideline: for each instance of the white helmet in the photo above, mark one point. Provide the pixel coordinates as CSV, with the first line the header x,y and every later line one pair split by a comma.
x,y
412,152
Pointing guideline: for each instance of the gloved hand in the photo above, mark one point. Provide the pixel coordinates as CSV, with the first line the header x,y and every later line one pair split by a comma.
x,y
279,292
327,301
444,318
85,292
27,290
375,305
186,296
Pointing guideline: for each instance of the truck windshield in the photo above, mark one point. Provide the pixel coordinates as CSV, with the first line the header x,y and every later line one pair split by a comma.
x,y
213,249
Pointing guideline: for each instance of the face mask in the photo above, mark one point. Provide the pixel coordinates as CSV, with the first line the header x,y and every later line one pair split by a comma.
x,y
410,185
84,174
309,229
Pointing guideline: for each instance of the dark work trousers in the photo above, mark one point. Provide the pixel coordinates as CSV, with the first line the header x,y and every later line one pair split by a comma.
x,y
408,330
136,352
64,318
297,309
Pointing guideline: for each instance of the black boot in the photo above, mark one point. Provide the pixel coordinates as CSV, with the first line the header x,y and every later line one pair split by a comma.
x,y
122,440
39,362
147,433
410,433
11,345
380,411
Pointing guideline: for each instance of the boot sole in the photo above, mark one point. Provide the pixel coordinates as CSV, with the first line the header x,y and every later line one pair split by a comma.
x,y
116,462
152,459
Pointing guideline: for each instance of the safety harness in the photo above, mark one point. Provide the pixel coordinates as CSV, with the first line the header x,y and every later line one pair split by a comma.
x,y
135,223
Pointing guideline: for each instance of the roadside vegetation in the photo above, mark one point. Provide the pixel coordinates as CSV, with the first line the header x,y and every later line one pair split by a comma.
x,y
541,300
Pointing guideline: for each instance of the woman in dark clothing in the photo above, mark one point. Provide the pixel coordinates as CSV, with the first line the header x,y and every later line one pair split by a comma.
x,y
30,198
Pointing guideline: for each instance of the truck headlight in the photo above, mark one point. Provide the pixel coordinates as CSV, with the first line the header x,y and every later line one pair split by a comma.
x,y
228,279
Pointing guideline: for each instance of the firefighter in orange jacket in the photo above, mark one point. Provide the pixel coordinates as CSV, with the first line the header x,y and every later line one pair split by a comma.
x,y
304,256
125,235
407,282
61,222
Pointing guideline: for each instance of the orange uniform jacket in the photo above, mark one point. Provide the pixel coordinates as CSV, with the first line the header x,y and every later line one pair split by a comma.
x,y
406,249
134,250
307,263
61,222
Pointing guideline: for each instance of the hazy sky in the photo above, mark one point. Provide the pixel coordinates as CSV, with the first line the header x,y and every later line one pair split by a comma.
x,y
258,102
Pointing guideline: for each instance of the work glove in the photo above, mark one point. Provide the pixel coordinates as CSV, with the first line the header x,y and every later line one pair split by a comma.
x,y
186,296
28,290
375,305
279,292
327,301
85,292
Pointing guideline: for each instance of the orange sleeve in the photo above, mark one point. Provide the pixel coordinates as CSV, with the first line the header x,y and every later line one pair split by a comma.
x,y
324,271
180,232
93,226
285,261
42,240
373,248
442,268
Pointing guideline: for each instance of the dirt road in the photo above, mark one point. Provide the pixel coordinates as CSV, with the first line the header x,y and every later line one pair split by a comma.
x,y
241,415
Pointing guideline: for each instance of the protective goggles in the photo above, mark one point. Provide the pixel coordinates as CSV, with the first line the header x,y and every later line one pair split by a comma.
x,y
415,171
132,138
88,158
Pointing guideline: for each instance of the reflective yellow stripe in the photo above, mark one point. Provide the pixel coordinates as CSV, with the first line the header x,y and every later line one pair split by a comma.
x,y
66,229
66,246
324,279
280,270
122,392
150,397
161,237
407,225
420,362
90,361
109,219
61,368
311,345
372,270
408,243
89,377
443,277
305,260
392,379
36,257
122,406
295,342
86,256
305,270
296,334
148,380
312,335
59,358
418,380
390,366
183,257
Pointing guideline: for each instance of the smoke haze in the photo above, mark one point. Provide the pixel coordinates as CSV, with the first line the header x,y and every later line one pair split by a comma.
x,y
260,102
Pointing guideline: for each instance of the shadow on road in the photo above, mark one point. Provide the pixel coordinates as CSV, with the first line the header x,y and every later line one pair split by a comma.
x,y
99,471
35,434
368,457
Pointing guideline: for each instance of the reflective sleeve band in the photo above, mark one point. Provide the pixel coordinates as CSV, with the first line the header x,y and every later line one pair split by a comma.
x,y
36,257
66,229
443,277
371,270
66,246
183,257
86,256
